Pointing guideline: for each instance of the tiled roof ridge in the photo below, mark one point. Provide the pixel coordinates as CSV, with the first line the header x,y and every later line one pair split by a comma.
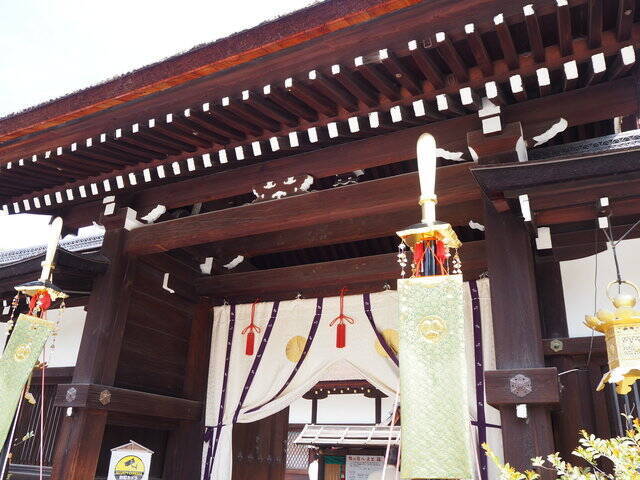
x,y
75,244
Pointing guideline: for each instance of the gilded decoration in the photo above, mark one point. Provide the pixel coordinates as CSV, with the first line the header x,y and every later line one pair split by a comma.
x,y
433,384
621,328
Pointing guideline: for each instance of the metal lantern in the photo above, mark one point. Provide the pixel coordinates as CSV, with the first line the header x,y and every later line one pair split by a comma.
x,y
622,336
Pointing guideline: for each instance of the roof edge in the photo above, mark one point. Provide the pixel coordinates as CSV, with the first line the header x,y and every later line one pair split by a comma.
x,y
267,38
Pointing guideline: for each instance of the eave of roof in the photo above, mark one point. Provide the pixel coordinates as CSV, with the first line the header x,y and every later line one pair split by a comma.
x,y
76,244
267,38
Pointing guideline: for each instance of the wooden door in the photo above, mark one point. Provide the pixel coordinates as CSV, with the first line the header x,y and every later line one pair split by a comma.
x,y
260,448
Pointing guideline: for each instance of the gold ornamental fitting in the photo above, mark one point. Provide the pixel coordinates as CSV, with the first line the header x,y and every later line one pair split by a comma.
x,y
438,231
32,288
428,199
623,300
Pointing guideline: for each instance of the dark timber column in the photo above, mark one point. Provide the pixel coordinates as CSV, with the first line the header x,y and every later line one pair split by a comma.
x,y
553,315
184,451
516,327
79,441
516,319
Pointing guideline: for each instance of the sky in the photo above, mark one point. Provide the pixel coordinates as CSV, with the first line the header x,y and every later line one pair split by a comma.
x,y
54,47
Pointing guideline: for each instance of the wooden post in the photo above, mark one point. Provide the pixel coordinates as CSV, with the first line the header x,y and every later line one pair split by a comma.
x,y
516,326
80,439
184,449
551,300
514,306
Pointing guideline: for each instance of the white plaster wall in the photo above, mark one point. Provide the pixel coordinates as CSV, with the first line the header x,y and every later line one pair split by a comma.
x,y
579,288
346,408
68,339
3,335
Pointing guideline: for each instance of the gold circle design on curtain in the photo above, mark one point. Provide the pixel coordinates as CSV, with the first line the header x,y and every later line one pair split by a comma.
x,y
390,336
294,348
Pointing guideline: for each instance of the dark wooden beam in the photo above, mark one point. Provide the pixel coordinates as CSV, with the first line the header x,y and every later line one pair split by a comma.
x,y
576,346
111,399
625,59
518,88
307,94
478,50
400,72
451,57
565,38
340,231
533,32
375,268
506,42
544,383
332,89
379,79
626,9
596,70
288,102
426,65
354,85
594,30
454,185
579,213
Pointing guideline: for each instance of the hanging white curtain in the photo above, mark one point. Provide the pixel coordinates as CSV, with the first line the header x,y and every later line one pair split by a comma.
x,y
296,347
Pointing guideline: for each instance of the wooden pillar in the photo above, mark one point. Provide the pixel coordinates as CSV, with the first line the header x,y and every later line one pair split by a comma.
x,y
553,315
517,333
184,449
80,439
514,302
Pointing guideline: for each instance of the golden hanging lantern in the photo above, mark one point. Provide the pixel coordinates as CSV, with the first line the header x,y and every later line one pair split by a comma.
x,y
622,337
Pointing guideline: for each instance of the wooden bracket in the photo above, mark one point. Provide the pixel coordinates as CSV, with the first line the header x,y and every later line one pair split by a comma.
x,y
503,147
112,399
533,386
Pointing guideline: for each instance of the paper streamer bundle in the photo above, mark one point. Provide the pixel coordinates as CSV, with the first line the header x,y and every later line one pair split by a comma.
x,y
20,355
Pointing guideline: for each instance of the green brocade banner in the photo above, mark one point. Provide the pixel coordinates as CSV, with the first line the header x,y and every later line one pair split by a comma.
x,y
20,355
435,435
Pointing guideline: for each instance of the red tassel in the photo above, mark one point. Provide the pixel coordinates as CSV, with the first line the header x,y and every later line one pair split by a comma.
x,y
341,337
418,259
250,341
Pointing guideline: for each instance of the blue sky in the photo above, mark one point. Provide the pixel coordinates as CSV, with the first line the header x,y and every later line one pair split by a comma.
x,y
54,47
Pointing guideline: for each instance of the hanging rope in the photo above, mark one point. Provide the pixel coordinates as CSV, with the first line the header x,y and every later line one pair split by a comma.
x,y
341,330
251,330
44,366
388,449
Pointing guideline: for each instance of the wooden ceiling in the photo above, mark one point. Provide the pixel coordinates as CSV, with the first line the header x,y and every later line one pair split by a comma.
x,y
512,55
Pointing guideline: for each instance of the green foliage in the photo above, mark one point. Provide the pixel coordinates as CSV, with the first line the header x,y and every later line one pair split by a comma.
x,y
623,453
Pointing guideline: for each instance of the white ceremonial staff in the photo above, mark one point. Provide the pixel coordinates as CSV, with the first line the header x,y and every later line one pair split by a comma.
x,y
427,154
52,246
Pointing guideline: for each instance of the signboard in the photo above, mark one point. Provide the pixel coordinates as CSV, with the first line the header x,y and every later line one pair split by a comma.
x,y
359,467
130,462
